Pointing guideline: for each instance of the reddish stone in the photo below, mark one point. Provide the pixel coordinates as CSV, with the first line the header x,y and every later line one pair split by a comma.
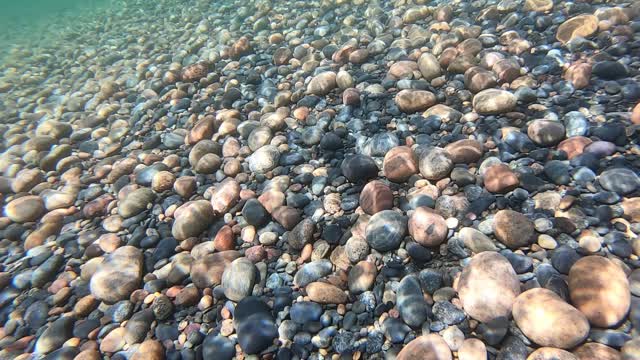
x,y
256,253
224,239
578,74
635,115
500,179
465,151
574,145
399,164
286,216
376,196
427,227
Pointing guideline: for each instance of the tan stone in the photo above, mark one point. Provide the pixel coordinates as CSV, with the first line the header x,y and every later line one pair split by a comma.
x,y
599,289
324,293
427,227
472,349
426,347
574,145
488,286
596,351
399,164
500,179
548,353
578,26
549,321
411,101
465,151
513,229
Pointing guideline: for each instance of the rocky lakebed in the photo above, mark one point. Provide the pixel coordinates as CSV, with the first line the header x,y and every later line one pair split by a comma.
x,y
322,179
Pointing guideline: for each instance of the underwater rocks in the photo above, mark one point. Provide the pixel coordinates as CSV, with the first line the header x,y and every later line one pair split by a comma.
x,y
331,179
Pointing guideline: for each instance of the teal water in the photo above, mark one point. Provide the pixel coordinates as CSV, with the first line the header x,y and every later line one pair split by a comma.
x,y
24,22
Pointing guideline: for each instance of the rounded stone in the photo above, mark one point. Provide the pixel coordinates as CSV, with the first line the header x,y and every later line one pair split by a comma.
x,y
577,26
359,168
427,227
600,290
264,159
322,84
549,321
546,132
192,219
399,164
435,164
429,66
375,197
238,279
488,286
494,101
324,293
426,347
472,349
500,179
136,202
549,353
386,230
25,209
514,229
411,101
592,351
465,151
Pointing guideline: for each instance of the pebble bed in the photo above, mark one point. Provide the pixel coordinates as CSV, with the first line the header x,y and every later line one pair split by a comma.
x,y
323,179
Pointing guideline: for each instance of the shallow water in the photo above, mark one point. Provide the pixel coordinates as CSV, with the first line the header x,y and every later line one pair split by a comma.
x,y
319,179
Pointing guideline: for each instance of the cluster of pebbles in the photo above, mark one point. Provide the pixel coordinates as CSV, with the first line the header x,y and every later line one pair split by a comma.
x,y
324,179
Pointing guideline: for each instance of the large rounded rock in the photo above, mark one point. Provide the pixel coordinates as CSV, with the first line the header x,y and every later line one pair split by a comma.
x,y
399,164
547,320
410,302
255,326
426,347
207,271
465,151
620,180
264,159
322,84
324,293
513,229
578,26
600,290
225,196
359,168
435,164
192,219
488,287
592,351
118,275
238,279
386,230
411,101
25,209
546,132
538,5
549,353
375,197
494,101
429,66
635,115
136,202
500,179
427,227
